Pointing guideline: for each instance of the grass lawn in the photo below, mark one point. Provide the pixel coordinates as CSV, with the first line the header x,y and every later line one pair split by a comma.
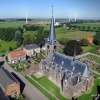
x,y
89,48
62,32
78,34
94,91
4,46
12,24
96,75
40,88
44,81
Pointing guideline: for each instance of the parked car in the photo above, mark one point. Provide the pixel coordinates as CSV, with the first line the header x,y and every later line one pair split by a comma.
x,y
29,61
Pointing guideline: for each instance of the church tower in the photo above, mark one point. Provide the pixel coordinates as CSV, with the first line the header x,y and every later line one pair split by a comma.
x,y
51,44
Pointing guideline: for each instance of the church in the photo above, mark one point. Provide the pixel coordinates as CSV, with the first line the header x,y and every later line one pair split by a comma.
x,y
73,76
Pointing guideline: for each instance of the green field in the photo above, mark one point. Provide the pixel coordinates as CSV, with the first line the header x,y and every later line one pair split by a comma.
x,y
74,34
89,48
50,86
12,24
40,88
4,46
62,32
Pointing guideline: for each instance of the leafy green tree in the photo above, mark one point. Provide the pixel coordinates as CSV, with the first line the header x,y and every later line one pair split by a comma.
x,y
83,28
10,48
18,36
63,40
94,28
96,38
88,28
84,42
70,48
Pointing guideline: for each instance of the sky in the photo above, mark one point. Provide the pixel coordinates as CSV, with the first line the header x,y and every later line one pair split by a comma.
x,y
81,9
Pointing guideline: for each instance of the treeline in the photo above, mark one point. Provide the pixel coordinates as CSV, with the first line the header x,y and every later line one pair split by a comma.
x,y
37,38
82,28
8,34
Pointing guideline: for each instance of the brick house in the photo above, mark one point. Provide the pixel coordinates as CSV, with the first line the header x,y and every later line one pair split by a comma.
x,y
73,76
8,83
31,50
17,56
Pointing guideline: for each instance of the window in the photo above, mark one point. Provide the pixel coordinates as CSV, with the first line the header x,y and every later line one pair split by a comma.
x,y
54,47
48,46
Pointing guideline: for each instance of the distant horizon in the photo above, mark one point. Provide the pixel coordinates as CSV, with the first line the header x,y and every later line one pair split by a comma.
x,y
50,18
80,9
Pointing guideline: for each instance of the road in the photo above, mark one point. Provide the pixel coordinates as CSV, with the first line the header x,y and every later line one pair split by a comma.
x,y
30,92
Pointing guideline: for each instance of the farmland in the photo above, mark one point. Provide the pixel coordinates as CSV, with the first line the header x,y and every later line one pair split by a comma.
x,y
12,24
97,24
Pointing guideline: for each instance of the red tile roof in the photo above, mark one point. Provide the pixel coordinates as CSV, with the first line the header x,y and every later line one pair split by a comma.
x,y
89,39
16,53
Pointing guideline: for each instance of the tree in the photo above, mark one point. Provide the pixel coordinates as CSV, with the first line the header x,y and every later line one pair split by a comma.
x,y
70,48
88,28
94,28
18,36
96,38
83,28
84,42
10,48
63,40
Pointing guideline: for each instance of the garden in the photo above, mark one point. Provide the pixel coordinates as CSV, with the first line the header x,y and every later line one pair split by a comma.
x,y
20,67
38,57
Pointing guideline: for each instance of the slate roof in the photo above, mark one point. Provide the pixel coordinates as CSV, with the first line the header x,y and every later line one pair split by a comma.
x,y
31,46
68,63
6,78
16,53
3,96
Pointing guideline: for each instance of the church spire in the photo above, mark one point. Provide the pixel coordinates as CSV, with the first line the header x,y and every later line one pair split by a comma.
x,y
52,35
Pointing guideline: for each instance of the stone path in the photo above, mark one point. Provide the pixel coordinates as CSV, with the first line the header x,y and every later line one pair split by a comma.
x,y
44,88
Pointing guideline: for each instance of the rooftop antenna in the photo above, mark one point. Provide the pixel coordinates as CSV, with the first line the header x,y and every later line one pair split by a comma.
x,y
26,18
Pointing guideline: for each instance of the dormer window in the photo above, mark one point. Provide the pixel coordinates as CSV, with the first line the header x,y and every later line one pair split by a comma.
x,y
62,62
73,68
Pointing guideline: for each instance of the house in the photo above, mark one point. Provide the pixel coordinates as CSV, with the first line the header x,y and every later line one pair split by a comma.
x,y
17,56
73,76
89,39
31,50
8,83
56,24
